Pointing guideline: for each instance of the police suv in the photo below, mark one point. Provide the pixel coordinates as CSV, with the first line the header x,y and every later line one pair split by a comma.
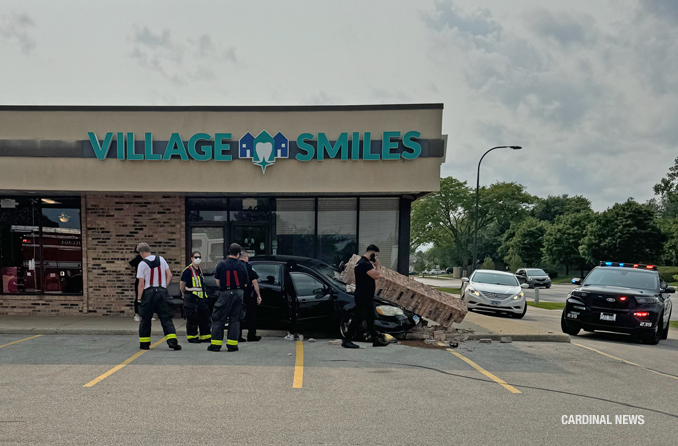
x,y
620,297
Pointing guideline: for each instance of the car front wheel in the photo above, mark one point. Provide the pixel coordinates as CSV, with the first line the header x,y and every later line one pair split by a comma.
x,y
343,329
665,332
568,327
520,315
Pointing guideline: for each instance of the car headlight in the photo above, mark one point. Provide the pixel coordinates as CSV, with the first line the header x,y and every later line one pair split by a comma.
x,y
388,310
519,296
473,291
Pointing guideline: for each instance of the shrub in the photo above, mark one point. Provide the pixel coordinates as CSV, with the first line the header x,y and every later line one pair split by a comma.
x,y
488,263
553,273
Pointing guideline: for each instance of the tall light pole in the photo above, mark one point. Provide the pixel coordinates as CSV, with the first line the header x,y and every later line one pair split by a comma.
x,y
475,234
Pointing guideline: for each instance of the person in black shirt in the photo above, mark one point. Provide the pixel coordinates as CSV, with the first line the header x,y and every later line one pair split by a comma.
x,y
231,277
251,299
366,273
192,286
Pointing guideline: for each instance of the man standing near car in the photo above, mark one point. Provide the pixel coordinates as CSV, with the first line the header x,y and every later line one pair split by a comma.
x,y
231,278
251,299
154,274
192,286
366,274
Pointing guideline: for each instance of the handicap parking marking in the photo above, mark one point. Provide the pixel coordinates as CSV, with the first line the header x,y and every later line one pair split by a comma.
x,y
20,340
624,361
493,377
299,367
121,365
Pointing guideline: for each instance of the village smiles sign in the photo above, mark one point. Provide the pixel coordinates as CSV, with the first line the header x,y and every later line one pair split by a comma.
x,y
262,149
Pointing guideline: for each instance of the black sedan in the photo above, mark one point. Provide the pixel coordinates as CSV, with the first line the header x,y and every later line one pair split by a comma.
x,y
623,298
320,294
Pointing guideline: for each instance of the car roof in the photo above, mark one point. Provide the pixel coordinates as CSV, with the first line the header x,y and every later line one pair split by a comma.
x,y
620,268
305,261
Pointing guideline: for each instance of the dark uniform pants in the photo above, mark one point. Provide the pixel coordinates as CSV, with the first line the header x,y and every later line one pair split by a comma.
x,y
197,317
228,307
250,321
364,311
154,300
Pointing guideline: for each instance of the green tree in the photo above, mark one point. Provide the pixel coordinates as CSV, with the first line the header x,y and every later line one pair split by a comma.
x,y
667,189
670,229
514,261
551,207
626,232
419,265
488,263
527,241
563,238
446,218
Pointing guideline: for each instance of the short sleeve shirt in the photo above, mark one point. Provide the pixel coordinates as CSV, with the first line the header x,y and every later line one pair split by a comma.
x,y
144,272
364,284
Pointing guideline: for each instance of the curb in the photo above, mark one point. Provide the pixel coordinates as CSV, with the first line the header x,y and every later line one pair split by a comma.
x,y
537,337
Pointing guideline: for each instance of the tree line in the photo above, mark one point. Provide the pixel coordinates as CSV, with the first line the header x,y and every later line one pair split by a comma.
x,y
517,229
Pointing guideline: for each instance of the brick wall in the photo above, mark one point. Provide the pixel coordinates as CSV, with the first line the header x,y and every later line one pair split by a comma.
x,y
112,225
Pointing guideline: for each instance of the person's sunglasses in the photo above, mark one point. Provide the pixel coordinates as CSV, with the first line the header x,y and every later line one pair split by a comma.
x,y
197,257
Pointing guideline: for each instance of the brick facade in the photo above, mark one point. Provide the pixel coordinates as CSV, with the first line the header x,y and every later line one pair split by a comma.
x,y
112,226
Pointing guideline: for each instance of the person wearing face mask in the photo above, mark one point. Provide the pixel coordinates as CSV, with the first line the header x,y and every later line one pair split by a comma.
x,y
192,286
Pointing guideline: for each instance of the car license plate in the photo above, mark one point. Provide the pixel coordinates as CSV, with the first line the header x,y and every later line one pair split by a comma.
x,y
415,319
495,302
608,317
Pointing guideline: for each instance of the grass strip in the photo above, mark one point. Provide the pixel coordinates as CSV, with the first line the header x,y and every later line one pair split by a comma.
x,y
548,305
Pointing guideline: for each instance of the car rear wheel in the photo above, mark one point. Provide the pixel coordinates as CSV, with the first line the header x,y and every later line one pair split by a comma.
x,y
520,315
569,327
653,337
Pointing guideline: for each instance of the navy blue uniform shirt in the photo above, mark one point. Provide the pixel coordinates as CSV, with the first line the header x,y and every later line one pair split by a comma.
x,y
231,274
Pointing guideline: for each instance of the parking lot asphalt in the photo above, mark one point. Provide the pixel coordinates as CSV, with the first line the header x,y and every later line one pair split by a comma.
x,y
283,392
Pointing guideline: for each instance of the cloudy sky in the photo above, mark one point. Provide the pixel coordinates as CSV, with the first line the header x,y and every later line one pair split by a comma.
x,y
589,88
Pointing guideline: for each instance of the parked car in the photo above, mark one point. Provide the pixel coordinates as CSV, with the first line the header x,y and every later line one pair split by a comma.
x,y
533,277
436,272
496,291
322,299
623,298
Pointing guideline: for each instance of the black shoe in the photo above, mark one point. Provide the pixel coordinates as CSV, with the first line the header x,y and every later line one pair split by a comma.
x,y
174,346
232,348
241,339
349,344
194,341
253,338
144,345
213,348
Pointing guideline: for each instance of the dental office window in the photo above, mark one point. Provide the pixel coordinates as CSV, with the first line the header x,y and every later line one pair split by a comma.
x,y
295,227
337,223
379,226
40,245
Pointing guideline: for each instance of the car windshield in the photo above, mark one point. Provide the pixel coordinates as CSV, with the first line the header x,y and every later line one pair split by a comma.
x,y
623,277
494,278
536,272
330,273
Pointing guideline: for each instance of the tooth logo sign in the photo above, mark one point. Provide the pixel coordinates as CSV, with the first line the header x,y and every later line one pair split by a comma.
x,y
264,149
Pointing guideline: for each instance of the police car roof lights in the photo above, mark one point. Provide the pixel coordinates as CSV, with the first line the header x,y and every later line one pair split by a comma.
x,y
630,265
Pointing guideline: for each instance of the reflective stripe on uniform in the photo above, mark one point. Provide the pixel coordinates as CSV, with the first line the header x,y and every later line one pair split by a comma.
x,y
231,342
196,281
203,337
215,342
171,336
145,339
191,337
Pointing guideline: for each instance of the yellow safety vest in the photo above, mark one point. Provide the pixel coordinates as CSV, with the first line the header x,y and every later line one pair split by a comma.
x,y
196,282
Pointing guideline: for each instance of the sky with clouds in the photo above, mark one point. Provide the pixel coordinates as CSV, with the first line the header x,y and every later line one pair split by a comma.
x,y
589,88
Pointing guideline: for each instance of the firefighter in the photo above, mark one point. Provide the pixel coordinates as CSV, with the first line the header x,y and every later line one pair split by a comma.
x,y
154,274
231,277
195,301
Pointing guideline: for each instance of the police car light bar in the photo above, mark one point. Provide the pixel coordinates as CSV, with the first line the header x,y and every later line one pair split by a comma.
x,y
629,265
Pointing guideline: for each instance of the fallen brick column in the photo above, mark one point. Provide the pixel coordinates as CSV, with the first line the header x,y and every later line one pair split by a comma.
x,y
414,296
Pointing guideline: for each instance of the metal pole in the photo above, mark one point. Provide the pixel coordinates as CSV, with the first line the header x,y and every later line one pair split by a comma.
x,y
536,295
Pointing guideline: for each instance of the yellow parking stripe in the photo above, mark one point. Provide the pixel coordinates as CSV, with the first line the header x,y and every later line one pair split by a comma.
x,y
625,361
20,340
299,367
121,365
494,378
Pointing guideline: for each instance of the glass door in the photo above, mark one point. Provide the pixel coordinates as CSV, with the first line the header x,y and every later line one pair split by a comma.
x,y
253,237
209,240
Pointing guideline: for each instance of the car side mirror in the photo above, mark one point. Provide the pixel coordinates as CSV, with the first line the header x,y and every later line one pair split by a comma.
x,y
524,285
270,279
670,290
319,292
464,279
576,281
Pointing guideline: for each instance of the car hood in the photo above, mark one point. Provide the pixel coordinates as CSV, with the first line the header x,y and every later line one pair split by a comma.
x,y
491,288
609,289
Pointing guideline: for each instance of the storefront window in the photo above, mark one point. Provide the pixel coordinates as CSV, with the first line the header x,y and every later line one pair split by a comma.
x,y
210,242
379,226
41,245
294,227
337,223
250,209
207,209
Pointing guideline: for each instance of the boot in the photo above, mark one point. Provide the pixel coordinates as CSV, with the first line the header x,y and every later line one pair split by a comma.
x,y
213,348
253,338
194,341
144,345
232,348
174,346
349,344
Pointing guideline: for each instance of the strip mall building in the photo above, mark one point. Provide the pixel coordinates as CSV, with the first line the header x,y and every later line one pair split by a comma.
x,y
81,186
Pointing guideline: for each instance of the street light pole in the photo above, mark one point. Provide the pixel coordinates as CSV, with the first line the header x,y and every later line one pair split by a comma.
x,y
475,233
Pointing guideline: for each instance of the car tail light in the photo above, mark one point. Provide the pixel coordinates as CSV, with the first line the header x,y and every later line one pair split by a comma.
x,y
641,314
623,298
